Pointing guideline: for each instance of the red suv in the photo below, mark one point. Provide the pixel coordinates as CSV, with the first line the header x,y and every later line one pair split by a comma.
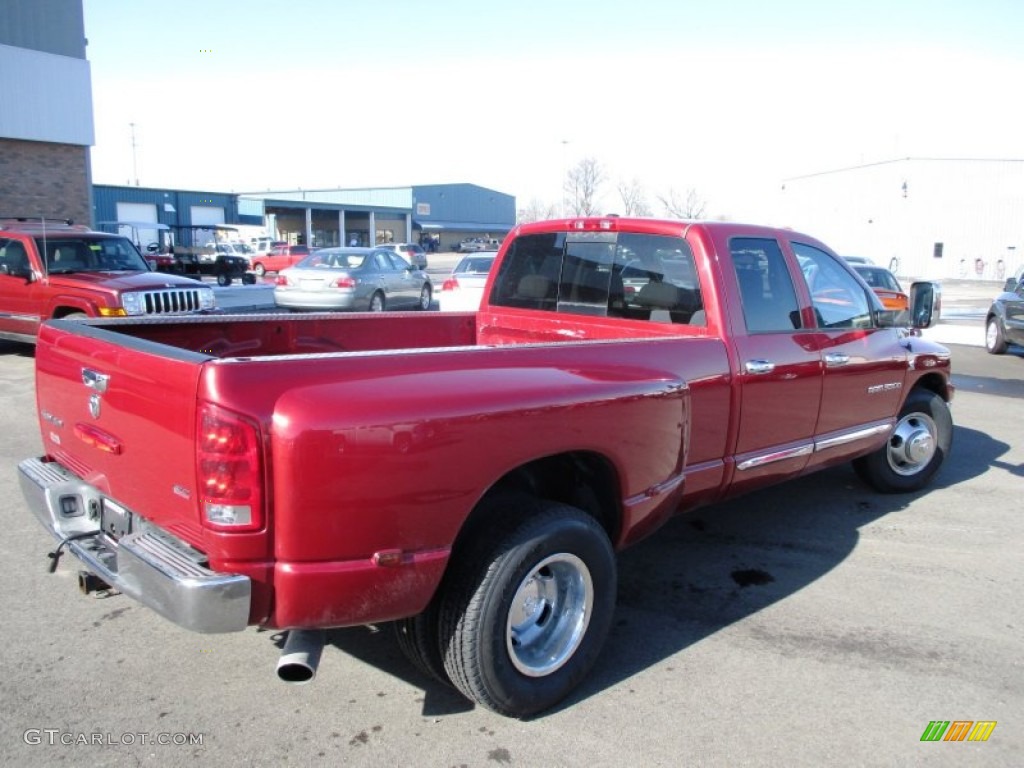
x,y
54,269
279,257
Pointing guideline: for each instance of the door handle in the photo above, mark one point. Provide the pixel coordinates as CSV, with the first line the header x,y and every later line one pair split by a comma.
x,y
834,360
759,367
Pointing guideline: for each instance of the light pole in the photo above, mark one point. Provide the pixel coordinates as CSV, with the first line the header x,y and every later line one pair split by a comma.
x,y
135,167
565,174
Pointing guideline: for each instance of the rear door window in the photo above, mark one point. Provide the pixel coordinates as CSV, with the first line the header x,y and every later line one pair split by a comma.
x,y
766,287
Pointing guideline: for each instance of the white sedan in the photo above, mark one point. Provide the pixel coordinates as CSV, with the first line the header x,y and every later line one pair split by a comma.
x,y
464,288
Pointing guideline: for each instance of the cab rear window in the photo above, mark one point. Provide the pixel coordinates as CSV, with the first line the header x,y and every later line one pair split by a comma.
x,y
634,276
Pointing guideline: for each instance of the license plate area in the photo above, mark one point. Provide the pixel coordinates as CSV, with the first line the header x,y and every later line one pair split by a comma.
x,y
115,520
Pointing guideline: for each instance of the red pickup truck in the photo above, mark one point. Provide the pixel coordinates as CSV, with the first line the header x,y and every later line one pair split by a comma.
x,y
618,371
53,269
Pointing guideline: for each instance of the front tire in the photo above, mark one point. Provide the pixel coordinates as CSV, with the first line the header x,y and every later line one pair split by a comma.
x,y
995,339
526,609
916,447
260,270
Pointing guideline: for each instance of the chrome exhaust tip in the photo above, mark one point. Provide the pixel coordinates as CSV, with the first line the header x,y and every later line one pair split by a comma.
x,y
300,656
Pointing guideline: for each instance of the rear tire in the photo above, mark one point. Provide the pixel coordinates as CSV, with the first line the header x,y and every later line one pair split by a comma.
x,y
995,340
377,302
425,298
417,639
916,447
223,279
525,608
260,270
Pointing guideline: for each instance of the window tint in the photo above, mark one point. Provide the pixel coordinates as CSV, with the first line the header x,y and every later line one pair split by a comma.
x,y
586,275
13,258
656,279
646,277
839,300
528,276
766,288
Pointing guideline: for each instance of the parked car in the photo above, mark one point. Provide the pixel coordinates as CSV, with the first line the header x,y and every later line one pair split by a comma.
x,y
263,245
280,257
474,244
1004,323
462,290
884,284
854,260
411,252
371,279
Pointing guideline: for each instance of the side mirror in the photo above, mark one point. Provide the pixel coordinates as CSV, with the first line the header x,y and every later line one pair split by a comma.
x,y
925,300
24,272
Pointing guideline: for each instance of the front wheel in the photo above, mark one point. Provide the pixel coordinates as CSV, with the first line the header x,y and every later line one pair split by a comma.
x,y
995,340
916,448
260,270
524,613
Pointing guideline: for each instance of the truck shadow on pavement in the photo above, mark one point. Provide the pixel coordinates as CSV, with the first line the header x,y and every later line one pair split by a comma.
x,y
21,349
708,569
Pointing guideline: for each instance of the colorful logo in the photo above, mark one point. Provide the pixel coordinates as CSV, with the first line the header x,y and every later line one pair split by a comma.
x,y
958,730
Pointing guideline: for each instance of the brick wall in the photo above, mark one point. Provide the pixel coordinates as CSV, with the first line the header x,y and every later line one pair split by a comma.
x,y
42,179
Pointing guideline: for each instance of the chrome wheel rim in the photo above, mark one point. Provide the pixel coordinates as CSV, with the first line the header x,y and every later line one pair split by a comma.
x,y
549,615
425,298
912,444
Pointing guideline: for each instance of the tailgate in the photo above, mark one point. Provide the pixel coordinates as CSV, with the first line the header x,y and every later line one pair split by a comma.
x,y
120,412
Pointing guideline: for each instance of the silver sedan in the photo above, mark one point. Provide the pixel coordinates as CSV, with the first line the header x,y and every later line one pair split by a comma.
x,y
363,279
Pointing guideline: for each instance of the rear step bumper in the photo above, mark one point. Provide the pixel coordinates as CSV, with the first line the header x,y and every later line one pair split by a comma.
x,y
149,565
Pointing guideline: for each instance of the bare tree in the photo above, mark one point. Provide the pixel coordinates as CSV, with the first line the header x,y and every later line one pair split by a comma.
x,y
634,200
678,207
537,210
582,185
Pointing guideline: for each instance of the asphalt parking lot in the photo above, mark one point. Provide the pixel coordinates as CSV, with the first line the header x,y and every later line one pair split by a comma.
x,y
815,623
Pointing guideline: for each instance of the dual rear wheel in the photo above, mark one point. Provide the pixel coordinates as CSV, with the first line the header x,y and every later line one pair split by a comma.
x,y
523,612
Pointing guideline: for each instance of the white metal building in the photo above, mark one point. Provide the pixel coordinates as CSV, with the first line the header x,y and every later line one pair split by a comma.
x,y
932,218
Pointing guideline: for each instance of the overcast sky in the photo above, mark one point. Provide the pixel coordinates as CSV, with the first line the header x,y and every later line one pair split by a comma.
x,y
728,97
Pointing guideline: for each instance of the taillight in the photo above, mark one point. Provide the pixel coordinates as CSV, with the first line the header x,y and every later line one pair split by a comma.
x,y
451,284
228,469
344,282
281,279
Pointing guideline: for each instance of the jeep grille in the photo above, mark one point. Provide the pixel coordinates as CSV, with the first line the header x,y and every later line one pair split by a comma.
x,y
172,301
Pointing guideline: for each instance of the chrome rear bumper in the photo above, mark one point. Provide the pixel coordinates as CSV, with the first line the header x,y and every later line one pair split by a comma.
x,y
149,565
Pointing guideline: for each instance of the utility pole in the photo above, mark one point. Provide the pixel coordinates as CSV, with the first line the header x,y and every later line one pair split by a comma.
x,y
565,174
135,167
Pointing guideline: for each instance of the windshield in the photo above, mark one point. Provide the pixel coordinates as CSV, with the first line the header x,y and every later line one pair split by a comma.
x,y
90,253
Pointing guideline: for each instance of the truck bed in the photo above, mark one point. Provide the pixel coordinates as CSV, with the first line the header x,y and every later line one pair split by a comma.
x,y
267,335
